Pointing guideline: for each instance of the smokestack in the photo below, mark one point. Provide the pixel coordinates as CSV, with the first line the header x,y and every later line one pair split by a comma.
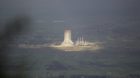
x,y
67,38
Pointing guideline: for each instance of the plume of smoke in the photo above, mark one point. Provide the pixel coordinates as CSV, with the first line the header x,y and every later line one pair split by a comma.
x,y
12,28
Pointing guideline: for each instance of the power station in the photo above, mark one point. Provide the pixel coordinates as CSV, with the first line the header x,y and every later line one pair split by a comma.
x,y
79,45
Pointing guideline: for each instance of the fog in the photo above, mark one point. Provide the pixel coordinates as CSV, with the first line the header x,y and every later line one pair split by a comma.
x,y
115,23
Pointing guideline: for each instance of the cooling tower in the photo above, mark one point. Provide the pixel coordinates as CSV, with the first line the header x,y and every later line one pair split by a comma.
x,y
67,39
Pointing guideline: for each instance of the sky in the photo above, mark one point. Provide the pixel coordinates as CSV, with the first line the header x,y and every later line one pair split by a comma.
x,y
110,20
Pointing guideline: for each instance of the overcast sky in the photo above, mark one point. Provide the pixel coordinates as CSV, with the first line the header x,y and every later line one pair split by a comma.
x,y
102,18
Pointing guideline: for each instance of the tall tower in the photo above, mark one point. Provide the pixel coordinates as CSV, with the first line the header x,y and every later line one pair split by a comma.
x,y
67,39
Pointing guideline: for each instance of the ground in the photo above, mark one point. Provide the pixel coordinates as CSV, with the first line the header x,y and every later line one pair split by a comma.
x,y
47,62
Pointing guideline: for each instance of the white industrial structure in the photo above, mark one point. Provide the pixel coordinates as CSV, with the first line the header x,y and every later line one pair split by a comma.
x,y
81,42
67,39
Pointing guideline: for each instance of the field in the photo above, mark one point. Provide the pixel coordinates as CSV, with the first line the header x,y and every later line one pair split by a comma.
x,y
51,63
